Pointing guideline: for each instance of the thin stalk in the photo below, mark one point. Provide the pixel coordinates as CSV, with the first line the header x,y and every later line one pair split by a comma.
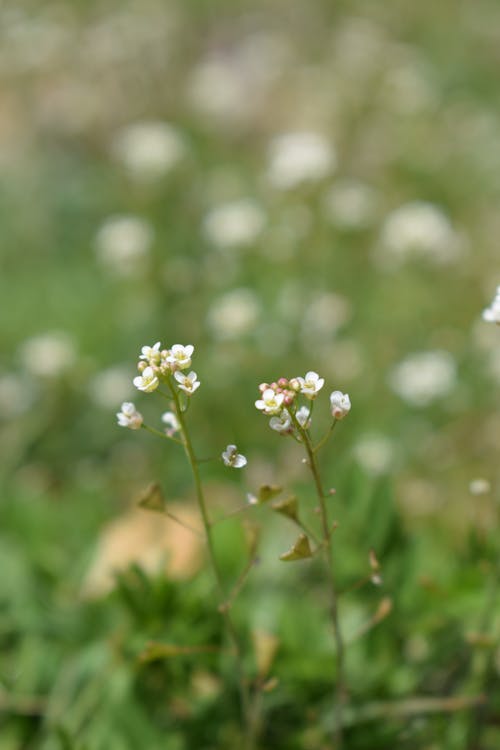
x,y
249,734
332,587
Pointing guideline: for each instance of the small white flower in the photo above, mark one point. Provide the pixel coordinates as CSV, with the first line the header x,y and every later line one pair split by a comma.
x,y
302,417
271,402
129,416
282,422
148,150
235,224
492,313
479,487
179,356
300,157
170,419
311,384
340,404
232,458
148,381
187,383
151,354
423,377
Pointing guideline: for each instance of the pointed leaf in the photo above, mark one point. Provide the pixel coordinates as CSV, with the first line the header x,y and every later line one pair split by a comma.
x,y
299,551
153,499
287,507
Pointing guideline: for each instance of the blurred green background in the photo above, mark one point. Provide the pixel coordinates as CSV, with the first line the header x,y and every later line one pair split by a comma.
x,y
288,186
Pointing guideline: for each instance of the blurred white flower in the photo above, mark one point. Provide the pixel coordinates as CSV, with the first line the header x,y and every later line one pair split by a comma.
x,y
123,243
110,387
340,404
311,385
170,419
188,383
375,453
49,354
148,381
424,377
324,316
235,224
151,354
232,458
492,313
295,158
350,204
148,150
419,230
129,416
302,416
16,395
479,487
234,313
179,357
282,422
271,402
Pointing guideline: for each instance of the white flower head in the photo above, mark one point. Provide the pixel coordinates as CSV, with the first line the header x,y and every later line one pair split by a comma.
x,y
271,402
492,313
148,150
423,377
187,383
235,224
232,458
281,423
123,243
340,404
148,381
151,354
179,357
311,384
129,416
170,419
299,157
303,417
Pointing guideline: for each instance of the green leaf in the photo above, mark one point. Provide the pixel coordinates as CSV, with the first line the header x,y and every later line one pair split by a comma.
x,y
153,499
299,551
155,651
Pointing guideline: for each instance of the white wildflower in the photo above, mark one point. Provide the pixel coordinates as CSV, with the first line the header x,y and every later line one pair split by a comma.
x,y
350,205
151,354
235,224
295,158
375,453
170,419
187,383
271,402
492,313
123,243
129,416
421,230
149,149
479,487
110,387
424,377
281,423
340,404
234,314
303,417
179,357
148,381
48,355
311,384
232,458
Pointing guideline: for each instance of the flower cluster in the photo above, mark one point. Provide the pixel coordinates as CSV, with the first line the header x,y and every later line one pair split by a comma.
x,y
279,400
156,365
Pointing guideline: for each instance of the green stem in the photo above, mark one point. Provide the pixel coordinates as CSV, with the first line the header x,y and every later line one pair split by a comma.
x,y
327,537
325,437
249,734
